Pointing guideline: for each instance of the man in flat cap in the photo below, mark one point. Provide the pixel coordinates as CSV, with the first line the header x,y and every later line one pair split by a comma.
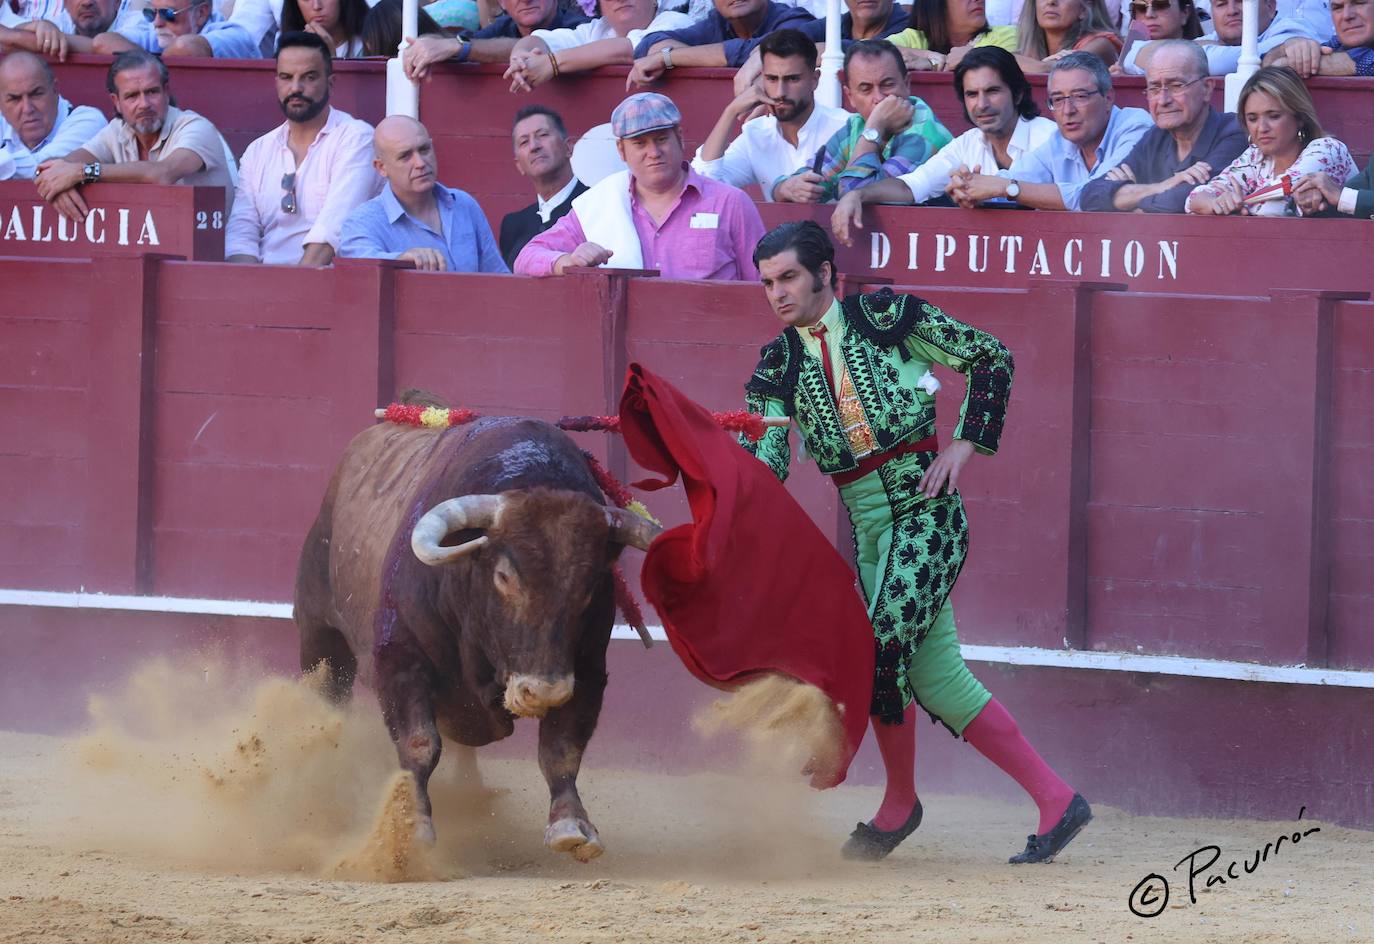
x,y
659,214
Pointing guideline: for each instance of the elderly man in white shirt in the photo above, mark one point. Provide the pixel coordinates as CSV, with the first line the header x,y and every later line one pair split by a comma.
x,y
789,133
608,40
37,124
1006,125
299,181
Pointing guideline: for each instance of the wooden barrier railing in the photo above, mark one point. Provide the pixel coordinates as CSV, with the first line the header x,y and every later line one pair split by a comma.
x,y
1180,475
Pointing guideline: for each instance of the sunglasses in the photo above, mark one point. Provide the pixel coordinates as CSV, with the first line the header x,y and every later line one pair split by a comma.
x,y
167,13
288,199
1139,7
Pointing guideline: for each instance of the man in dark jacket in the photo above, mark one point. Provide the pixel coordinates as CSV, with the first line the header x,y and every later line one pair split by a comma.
x,y
542,154
1319,194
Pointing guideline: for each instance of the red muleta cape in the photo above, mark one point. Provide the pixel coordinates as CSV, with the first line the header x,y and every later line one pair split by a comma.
x,y
751,585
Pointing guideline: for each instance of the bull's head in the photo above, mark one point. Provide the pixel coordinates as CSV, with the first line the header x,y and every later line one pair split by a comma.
x,y
536,563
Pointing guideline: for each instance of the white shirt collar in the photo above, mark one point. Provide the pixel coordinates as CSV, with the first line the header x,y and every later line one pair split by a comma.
x,y
546,207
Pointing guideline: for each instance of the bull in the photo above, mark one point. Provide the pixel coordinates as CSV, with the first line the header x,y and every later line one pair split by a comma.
x,y
465,575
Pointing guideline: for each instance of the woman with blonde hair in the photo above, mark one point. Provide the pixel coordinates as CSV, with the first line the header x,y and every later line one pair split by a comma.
x,y
1287,143
1050,29
943,31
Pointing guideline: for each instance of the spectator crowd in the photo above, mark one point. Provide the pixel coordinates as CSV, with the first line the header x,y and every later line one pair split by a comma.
x,y
325,183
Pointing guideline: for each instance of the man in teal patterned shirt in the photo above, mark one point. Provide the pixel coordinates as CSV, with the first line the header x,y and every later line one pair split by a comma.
x,y
854,375
893,133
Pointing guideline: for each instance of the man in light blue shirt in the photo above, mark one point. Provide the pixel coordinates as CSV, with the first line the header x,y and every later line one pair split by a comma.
x,y
37,124
162,23
1093,137
415,217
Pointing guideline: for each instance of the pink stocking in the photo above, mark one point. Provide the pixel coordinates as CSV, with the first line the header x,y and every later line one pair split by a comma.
x,y
996,735
897,744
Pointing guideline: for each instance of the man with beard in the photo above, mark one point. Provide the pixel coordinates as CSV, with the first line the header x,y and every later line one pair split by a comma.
x,y
1006,124
149,142
164,23
1093,136
72,27
298,182
789,130
36,123
542,154
415,217
657,214
1190,142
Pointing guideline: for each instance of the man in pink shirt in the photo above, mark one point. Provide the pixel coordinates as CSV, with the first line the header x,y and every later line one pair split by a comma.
x,y
659,214
299,181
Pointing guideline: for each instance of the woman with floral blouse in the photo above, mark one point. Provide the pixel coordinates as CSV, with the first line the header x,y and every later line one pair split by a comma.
x,y
1286,144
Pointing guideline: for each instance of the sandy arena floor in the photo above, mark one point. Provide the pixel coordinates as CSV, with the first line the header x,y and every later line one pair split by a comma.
x,y
229,817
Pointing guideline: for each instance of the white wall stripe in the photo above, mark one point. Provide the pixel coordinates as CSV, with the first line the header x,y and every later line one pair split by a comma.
x,y
1007,655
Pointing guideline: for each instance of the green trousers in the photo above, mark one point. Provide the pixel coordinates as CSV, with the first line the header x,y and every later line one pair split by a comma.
x,y
909,552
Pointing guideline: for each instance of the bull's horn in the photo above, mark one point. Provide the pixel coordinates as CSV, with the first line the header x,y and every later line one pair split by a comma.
x,y
630,528
456,514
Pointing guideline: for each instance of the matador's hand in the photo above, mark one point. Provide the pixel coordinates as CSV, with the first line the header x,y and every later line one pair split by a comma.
x,y
945,469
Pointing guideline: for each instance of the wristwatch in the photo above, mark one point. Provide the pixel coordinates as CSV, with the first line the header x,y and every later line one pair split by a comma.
x,y
90,173
1013,190
872,136
464,51
667,57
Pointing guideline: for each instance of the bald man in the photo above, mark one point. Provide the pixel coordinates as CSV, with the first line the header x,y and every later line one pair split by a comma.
x,y
415,217
37,124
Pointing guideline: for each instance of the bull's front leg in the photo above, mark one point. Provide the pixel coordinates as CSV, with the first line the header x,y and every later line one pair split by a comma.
x,y
408,709
563,736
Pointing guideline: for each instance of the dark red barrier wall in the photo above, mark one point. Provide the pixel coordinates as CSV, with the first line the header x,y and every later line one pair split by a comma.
x,y
1180,475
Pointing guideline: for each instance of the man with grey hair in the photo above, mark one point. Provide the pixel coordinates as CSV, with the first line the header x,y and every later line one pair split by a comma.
x,y
1094,135
36,123
164,23
1189,144
149,142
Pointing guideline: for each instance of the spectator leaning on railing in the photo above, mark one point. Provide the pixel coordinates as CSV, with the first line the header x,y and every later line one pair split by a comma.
x,y
298,182
1288,144
892,133
1189,142
37,124
942,32
494,42
657,214
1051,29
1006,125
1094,136
866,19
438,228
1320,193
1222,45
789,129
610,39
162,25
150,141
722,38
1349,52
73,28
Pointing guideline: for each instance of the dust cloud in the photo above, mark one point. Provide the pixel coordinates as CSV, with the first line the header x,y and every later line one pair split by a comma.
x,y
202,763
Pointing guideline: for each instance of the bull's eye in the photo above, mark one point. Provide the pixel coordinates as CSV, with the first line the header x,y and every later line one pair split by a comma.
x,y
503,575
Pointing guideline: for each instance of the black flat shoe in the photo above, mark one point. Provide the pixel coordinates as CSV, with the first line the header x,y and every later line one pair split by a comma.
x,y
869,843
1045,847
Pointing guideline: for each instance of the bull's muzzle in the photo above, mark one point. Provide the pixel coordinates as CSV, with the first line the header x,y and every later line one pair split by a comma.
x,y
533,696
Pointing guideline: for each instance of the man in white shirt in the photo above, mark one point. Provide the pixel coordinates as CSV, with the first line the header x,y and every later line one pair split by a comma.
x,y
149,142
37,124
1006,125
608,40
298,182
72,27
790,129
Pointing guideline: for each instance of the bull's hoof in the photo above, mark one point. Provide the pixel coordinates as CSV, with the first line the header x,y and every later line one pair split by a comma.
x,y
575,836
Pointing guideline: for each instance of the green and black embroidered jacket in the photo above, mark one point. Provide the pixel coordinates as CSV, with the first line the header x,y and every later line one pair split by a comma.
x,y
888,344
